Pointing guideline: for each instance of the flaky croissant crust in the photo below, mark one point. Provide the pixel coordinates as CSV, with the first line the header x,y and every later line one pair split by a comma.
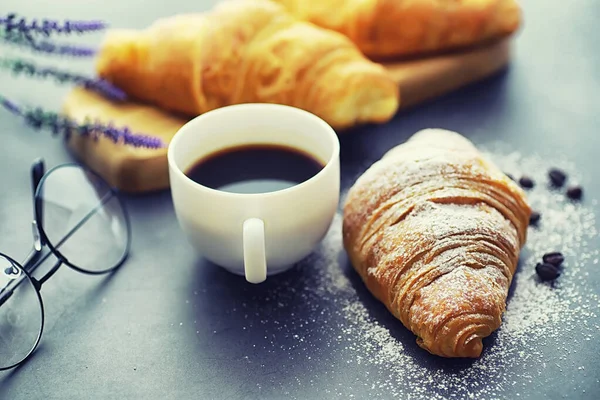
x,y
247,51
435,231
388,28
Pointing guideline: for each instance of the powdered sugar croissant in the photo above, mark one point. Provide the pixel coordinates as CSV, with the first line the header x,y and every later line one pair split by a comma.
x,y
247,51
435,231
387,28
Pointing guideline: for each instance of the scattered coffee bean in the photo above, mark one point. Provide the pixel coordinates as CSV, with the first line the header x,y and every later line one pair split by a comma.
x,y
534,218
557,177
526,182
555,258
575,192
547,272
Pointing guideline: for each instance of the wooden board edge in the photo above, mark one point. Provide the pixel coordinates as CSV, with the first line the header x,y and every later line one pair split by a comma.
x,y
129,169
128,174
425,79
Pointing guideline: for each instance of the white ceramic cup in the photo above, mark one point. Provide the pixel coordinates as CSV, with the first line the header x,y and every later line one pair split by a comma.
x,y
255,234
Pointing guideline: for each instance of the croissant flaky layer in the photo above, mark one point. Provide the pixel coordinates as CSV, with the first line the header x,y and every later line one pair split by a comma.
x,y
435,231
387,28
246,51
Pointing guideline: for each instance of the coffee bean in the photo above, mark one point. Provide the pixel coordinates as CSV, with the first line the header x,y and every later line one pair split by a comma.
x,y
555,258
575,192
526,182
534,218
547,272
557,177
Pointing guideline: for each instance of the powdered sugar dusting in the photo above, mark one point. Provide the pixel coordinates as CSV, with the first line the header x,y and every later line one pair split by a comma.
x,y
348,327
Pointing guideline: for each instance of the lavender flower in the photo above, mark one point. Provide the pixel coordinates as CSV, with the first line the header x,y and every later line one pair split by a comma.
x,y
60,124
101,86
47,27
125,136
45,46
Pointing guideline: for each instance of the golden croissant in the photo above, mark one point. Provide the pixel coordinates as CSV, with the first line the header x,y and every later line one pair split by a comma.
x,y
246,51
387,28
434,230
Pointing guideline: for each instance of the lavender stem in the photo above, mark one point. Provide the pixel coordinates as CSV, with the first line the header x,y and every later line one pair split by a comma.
x,y
10,106
38,118
105,88
45,46
46,27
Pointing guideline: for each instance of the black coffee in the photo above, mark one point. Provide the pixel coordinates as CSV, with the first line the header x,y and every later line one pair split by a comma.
x,y
254,169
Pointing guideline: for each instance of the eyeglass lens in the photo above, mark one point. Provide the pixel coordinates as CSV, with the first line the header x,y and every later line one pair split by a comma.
x,y
21,314
83,219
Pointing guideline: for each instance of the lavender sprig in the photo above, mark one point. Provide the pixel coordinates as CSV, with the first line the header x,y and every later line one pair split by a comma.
x,y
60,124
105,88
45,46
47,27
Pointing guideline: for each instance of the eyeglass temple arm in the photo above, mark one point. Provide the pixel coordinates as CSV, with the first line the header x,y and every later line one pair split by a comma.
x,y
38,170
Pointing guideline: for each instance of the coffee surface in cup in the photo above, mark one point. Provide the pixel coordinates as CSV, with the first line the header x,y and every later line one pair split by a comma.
x,y
256,168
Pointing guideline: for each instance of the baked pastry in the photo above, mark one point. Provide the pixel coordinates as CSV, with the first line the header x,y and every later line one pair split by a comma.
x,y
434,230
247,51
388,28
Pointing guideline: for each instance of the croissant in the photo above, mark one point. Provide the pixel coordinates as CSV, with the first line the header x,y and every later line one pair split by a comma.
x,y
387,28
247,51
434,230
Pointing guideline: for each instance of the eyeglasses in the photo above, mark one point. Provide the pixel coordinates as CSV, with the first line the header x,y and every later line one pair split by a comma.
x,y
80,220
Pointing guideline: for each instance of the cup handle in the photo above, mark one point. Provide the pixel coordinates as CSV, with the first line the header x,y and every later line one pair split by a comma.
x,y
255,260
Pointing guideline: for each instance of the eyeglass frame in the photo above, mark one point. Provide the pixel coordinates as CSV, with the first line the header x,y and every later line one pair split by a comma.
x,y
40,240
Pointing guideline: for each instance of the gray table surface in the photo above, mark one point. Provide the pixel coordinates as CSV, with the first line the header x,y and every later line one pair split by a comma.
x,y
170,325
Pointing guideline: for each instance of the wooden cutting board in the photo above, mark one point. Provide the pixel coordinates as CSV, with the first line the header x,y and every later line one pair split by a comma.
x,y
141,170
